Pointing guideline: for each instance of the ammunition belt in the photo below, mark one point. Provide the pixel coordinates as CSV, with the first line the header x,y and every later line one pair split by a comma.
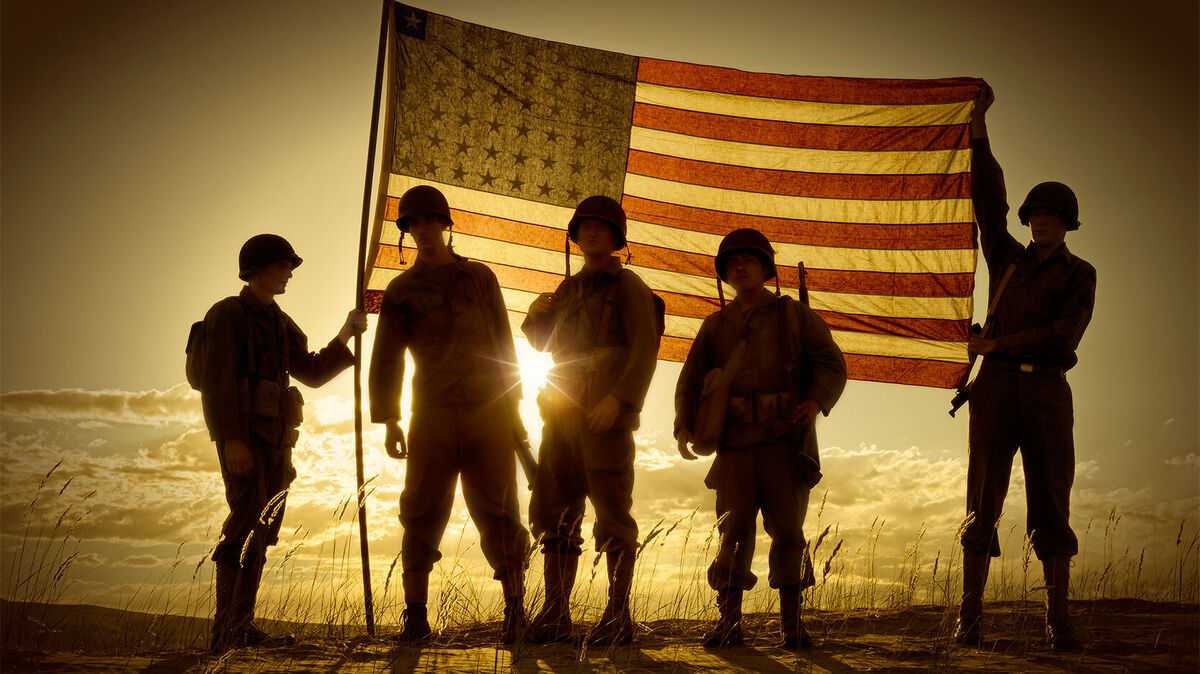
x,y
1026,368
763,408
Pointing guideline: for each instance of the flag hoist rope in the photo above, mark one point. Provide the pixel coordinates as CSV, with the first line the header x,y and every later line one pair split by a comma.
x,y
358,302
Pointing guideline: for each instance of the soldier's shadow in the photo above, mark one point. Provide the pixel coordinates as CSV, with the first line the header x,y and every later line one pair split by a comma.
x,y
749,658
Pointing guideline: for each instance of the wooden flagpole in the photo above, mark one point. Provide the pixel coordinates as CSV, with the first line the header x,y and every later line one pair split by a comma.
x,y
358,298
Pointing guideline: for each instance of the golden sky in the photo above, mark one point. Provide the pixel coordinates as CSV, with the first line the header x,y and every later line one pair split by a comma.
x,y
144,141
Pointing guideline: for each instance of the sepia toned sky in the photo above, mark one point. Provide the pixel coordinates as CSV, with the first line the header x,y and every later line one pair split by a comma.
x,y
142,142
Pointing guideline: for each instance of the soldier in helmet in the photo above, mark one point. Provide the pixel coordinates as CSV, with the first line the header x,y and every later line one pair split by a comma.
x,y
251,348
449,313
790,371
1021,397
601,328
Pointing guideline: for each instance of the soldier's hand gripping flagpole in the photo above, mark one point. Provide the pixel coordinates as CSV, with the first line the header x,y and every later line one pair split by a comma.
x,y
368,603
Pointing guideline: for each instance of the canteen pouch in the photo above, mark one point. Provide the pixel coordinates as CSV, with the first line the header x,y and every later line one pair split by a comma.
x,y
293,407
265,399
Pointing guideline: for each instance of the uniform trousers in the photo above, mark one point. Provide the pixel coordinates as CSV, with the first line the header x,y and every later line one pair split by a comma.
x,y
1033,412
476,442
577,465
772,479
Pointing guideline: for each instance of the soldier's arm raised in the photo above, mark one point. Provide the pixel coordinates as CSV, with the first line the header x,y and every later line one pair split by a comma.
x,y
988,194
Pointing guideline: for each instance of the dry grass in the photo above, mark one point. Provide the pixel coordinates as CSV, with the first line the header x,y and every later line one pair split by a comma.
x,y
322,601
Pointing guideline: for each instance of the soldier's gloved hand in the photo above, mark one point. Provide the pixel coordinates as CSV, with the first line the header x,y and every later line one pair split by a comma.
x,y
684,436
981,346
806,413
356,324
238,459
394,443
604,415
543,304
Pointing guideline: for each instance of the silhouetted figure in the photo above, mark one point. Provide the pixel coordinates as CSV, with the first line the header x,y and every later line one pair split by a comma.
x,y
600,326
1021,397
787,372
449,313
250,348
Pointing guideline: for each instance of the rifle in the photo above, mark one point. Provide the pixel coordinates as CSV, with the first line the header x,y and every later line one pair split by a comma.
x,y
964,386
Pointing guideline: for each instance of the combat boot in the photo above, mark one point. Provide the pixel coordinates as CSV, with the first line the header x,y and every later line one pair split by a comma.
x,y
616,624
516,624
245,596
968,630
416,623
553,623
728,630
791,626
226,581
1060,635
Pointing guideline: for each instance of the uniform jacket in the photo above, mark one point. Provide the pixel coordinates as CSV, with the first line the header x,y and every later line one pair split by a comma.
x,y
818,367
1047,305
453,319
590,366
239,326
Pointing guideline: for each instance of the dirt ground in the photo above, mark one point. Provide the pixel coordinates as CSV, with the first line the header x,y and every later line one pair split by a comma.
x,y
1120,636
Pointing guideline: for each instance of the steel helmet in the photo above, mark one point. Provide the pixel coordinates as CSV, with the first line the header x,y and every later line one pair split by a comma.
x,y
1052,195
603,208
422,200
261,250
746,240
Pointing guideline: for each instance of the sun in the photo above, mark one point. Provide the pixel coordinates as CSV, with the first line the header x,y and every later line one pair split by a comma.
x,y
534,366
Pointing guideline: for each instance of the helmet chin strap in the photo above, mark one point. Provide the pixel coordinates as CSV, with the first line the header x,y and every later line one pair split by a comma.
x,y
567,255
401,245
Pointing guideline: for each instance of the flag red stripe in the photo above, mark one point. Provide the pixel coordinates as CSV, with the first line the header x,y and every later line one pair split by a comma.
x,y
941,330
866,91
793,134
892,370
806,232
798,183
783,230
667,259
692,306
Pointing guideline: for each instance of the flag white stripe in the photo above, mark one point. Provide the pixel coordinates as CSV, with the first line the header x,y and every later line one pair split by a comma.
x,y
518,255
798,159
804,112
935,261
899,211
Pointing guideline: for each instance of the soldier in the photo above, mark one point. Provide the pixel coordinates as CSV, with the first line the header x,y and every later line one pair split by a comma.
x,y
767,459
600,326
250,348
1021,397
449,312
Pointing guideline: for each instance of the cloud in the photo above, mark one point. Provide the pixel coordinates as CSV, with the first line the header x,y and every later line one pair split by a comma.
x,y
142,561
177,405
1191,460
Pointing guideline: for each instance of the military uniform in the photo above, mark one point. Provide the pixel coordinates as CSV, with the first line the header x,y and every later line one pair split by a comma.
x,y
460,416
252,349
761,464
603,337
1021,397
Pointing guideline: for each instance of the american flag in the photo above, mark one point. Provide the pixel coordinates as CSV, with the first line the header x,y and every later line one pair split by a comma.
x,y
865,181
